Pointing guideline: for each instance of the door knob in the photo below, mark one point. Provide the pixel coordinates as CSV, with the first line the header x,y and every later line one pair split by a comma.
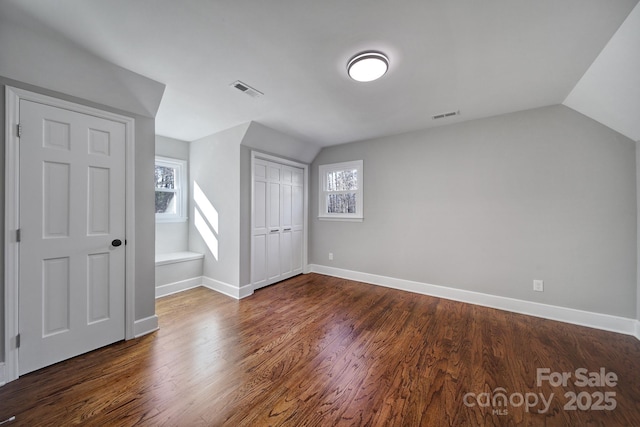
x,y
117,242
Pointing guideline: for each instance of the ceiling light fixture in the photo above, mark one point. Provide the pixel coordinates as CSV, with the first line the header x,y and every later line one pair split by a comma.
x,y
367,66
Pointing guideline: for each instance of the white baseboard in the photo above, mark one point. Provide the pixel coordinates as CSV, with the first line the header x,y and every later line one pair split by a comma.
x,y
245,291
2,377
227,289
207,282
563,314
183,285
145,326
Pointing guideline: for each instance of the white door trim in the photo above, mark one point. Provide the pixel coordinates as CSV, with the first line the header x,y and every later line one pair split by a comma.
x,y
12,214
305,229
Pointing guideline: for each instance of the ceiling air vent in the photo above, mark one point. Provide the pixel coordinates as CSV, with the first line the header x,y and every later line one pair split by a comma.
x,y
443,115
243,87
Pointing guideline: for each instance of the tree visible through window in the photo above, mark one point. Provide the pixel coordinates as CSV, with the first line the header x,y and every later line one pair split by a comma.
x,y
165,189
341,191
344,184
170,194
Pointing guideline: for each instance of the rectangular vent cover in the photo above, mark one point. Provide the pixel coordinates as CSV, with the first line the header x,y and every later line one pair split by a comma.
x,y
443,115
243,87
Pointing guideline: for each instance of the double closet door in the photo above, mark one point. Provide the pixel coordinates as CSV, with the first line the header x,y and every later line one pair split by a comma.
x,y
278,222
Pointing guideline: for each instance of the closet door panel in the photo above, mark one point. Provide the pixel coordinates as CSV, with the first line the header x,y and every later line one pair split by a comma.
x,y
286,254
259,260
273,257
260,206
286,211
278,222
296,251
273,202
297,206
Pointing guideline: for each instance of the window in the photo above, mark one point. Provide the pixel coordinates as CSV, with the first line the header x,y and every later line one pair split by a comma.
x,y
171,189
341,196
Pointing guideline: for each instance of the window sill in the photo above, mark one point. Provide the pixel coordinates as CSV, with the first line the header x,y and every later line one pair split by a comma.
x,y
167,220
332,218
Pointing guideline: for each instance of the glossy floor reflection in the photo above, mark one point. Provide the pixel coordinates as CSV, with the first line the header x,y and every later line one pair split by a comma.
x,y
321,351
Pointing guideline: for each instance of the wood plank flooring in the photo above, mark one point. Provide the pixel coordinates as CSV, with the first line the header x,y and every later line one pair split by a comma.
x,y
322,351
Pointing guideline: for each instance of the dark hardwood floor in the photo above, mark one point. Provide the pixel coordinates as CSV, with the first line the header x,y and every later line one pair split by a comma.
x,y
321,351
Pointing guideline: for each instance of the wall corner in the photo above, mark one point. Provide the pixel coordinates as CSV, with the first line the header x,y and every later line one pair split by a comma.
x,y
638,239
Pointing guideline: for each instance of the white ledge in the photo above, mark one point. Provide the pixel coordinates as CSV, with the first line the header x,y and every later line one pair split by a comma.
x,y
175,257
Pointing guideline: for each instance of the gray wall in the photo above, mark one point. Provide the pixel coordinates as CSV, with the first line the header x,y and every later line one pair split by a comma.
x,y
638,234
144,208
269,141
266,140
42,57
215,167
38,60
221,164
172,236
489,205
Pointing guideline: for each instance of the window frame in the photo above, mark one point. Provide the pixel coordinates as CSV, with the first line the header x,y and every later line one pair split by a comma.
x,y
323,171
180,190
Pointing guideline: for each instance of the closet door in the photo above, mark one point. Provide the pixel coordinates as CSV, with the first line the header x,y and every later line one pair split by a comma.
x,y
278,222
274,251
292,220
297,220
259,221
286,248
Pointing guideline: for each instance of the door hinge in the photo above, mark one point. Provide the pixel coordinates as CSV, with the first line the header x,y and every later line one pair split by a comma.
x,y
18,235
19,130
18,339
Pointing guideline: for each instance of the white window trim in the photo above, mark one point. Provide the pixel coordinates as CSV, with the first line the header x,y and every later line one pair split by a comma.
x,y
323,170
181,189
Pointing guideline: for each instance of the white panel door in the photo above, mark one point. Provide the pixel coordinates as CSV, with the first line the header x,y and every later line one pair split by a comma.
x,y
297,220
274,249
72,222
286,258
260,231
278,223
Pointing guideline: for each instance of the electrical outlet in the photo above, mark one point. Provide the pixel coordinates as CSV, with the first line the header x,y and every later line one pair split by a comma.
x,y
330,256
538,285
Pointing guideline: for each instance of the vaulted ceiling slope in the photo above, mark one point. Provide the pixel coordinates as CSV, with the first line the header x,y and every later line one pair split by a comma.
x,y
609,92
482,58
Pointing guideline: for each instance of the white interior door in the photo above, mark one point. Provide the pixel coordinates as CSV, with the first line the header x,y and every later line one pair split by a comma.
x,y
260,231
286,248
273,220
278,222
297,220
291,220
72,223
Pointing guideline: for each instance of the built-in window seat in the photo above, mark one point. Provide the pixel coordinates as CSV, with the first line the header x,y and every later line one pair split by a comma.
x,y
178,271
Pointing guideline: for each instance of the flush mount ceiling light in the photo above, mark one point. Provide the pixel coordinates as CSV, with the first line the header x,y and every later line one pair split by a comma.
x,y
367,66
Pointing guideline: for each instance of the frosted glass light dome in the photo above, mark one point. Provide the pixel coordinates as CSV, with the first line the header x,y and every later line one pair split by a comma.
x,y
368,66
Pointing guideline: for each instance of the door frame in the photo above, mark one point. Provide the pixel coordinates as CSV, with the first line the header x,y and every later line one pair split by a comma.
x,y
305,215
12,215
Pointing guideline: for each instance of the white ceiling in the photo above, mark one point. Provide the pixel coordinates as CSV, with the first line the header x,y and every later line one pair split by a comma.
x,y
480,57
609,91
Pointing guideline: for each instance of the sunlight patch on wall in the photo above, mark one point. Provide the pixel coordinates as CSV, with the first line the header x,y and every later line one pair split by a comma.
x,y
205,219
208,211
